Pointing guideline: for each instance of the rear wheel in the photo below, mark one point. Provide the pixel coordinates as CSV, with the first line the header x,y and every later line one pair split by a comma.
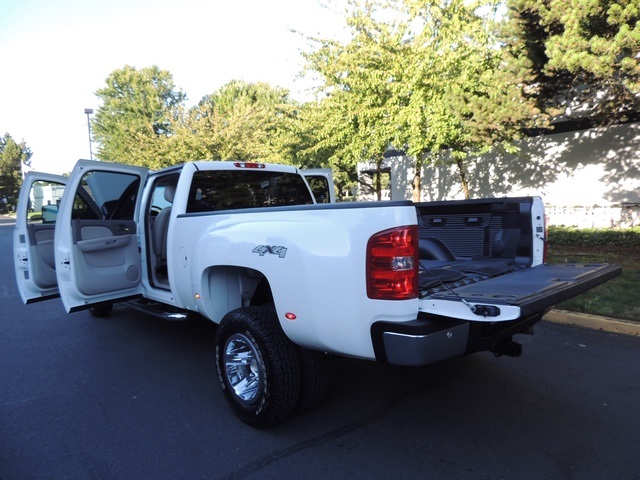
x,y
315,378
258,366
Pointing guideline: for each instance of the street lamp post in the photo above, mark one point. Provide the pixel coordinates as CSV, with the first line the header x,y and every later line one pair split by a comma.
x,y
89,111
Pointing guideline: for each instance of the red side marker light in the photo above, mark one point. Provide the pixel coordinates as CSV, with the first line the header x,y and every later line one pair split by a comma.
x,y
290,316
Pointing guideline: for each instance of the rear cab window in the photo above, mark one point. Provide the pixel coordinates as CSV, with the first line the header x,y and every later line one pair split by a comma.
x,y
215,190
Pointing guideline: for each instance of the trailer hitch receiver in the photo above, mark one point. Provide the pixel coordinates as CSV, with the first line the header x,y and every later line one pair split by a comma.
x,y
508,347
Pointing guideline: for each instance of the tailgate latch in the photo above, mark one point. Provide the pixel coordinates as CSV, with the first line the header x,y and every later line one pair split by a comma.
x,y
486,310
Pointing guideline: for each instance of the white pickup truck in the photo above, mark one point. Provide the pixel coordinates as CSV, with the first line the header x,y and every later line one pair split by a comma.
x,y
289,280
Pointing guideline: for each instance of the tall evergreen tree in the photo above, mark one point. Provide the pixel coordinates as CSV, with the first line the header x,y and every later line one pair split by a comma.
x,y
577,55
12,156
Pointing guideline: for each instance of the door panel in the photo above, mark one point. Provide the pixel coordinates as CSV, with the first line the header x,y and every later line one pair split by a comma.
x,y
43,263
96,241
107,260
33,245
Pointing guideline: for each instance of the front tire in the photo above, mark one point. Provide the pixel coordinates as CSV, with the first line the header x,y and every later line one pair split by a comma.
x,y
258,366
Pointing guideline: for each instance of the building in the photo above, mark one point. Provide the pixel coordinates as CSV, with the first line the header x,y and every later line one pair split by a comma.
x,y
586,177
43,194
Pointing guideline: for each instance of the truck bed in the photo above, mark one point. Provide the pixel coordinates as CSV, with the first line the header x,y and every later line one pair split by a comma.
x,y
489,251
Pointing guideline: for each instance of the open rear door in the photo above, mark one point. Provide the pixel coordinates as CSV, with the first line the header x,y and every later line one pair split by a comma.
x,y
97,254
320,181
33,254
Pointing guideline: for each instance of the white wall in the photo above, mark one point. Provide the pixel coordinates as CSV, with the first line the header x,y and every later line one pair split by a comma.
x,y
45,195
586,178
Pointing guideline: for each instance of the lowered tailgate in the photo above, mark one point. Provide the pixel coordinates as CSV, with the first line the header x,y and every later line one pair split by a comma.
x,y
533,290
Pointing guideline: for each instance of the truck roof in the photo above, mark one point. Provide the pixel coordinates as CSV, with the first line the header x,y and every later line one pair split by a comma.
x,y
230,165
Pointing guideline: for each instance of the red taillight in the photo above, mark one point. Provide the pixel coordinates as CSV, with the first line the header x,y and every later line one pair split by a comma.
x,y
249,165
392,264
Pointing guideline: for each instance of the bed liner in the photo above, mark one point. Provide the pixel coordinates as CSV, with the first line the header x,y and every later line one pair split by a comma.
x,y
505,282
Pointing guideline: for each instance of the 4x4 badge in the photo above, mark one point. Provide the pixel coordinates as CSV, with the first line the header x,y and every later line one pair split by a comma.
x,y
272,249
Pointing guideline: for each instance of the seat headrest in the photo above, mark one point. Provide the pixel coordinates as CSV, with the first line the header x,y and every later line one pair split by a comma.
x,y
169,193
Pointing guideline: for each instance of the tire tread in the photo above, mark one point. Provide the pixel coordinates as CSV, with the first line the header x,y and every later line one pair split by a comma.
x,y
281,361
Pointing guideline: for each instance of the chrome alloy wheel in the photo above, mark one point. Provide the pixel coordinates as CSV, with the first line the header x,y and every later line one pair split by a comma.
x,y
242,367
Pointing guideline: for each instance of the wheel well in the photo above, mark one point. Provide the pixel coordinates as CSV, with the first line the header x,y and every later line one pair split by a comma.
x,y
231,287
262,294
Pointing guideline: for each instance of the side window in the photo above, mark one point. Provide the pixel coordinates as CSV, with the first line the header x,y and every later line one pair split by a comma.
x,y
106,196
162,195
320,188
213,190
44,199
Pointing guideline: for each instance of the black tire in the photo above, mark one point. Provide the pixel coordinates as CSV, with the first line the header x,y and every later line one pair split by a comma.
x,y
315,378
101,310
258,366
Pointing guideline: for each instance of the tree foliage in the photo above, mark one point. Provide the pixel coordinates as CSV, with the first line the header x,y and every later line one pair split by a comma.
x,y
461,103
442,80
357,119
418,75
576,54
143,120
12,156
243,121
138,114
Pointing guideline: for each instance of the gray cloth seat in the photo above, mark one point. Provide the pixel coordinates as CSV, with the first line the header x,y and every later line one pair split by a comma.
x,y
161,226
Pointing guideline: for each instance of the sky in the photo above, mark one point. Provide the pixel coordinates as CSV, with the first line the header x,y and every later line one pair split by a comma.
x,y
55,54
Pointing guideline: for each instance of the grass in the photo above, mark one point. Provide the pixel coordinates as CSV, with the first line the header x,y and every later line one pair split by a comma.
x,y
616,298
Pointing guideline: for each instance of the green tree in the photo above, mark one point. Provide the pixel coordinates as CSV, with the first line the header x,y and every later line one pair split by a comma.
x,y
12,156
312,153
461,103
243,121
576,53
357,118
139,112
421,76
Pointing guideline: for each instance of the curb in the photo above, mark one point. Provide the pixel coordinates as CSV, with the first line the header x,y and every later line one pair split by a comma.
x,y
593,322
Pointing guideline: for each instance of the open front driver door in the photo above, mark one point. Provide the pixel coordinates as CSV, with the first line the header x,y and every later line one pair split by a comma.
x,y
97,254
